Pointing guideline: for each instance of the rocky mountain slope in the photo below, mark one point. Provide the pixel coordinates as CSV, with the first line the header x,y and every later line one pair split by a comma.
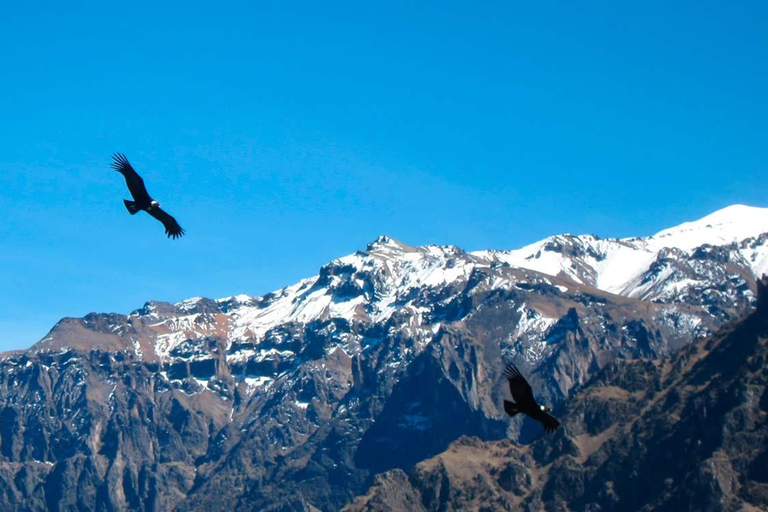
x,y
712,262
294,400
705,262
685,433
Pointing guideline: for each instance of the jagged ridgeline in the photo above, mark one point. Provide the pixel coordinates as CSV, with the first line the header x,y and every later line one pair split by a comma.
x,y
295,400
684,433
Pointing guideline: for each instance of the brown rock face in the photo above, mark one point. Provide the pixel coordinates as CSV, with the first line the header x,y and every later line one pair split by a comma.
x,y
686,433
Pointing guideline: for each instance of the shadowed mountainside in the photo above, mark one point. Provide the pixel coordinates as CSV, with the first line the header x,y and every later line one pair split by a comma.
x,y
685,433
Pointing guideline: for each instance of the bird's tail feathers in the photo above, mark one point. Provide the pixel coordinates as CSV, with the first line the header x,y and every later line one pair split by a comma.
x,y
131,206
511,408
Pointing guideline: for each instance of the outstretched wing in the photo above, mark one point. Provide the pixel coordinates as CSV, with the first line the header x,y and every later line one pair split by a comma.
x,y
519,387
526,403
172,228
132,179
549,421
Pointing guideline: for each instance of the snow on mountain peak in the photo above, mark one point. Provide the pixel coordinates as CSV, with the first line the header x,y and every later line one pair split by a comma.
x,y
379,277
385,243
619,265
391,277
731,224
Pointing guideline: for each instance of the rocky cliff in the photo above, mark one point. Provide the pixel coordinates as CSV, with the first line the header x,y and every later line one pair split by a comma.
x,y
685,433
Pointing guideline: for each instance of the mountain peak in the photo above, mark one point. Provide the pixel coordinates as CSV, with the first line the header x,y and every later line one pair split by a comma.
x,y
734,213
386,243
727,225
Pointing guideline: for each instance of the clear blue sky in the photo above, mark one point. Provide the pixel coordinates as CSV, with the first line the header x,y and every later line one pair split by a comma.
x,y
283,135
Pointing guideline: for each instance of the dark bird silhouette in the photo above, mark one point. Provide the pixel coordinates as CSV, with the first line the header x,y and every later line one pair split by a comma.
x,y
524,400
141,198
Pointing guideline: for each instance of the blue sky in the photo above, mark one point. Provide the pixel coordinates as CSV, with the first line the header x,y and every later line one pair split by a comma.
x,y
283,135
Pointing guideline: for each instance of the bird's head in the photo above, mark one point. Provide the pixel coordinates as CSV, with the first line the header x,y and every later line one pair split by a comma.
x,y
545,408
154,204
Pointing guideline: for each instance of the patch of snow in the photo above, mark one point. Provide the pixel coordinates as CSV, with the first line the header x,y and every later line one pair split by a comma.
x,y
255,383
757,257
255,321
137,349
345,309
640,290
684,323
236,298
164,343
622,265
188,303
533,328
532,323
241,355
258,356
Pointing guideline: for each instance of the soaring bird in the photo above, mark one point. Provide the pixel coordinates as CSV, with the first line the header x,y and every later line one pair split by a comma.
x,y
524,401
141,198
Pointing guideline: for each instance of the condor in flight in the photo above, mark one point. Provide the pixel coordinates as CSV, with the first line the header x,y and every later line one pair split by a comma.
x,y
141,199
524,401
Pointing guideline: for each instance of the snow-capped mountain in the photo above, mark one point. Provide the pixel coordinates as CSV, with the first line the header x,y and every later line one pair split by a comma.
x,y
346,373
711,262
687,263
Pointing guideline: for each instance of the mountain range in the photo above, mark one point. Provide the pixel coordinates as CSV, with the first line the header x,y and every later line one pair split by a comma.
x,y
296,400
689,432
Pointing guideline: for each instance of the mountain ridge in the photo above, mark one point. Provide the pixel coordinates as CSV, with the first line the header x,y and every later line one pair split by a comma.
x,y
685,433
296,399
662,275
